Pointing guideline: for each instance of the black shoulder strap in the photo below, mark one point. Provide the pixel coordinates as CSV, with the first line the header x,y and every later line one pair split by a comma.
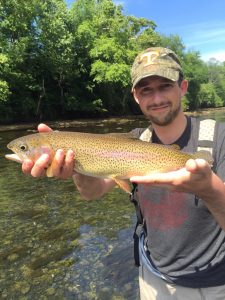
x,y
134,200
140,225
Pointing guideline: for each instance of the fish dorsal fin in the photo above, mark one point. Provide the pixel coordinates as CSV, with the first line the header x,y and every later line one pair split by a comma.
x,y
174,146
125,135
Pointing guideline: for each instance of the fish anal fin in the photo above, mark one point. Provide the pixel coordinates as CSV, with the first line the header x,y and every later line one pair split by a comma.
x,y
123,184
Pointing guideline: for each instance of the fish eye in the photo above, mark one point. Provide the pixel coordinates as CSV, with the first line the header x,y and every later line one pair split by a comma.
x,y
23,147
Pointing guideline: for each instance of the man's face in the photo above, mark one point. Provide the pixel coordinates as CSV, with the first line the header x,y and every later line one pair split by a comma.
x,y
160,98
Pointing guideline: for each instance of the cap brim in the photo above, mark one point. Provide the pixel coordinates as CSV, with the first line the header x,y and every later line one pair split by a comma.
x,y
168,73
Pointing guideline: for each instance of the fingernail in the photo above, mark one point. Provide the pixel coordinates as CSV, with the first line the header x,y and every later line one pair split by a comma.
x,y
59,152
71,153
45,157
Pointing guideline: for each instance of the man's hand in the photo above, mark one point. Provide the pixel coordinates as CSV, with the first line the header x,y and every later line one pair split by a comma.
x,y
194,178
62,163
63,167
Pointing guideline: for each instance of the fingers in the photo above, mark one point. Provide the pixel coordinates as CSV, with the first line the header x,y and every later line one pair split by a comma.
x,y
63,165
40,166
68,167
57,163
196,174
197,166
44,128
192,166
27,166
155,178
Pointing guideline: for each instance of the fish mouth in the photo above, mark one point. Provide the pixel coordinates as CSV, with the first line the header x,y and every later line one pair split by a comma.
x,y
14,157
9,146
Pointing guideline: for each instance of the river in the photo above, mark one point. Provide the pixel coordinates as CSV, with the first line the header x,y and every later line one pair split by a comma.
x,y
53,244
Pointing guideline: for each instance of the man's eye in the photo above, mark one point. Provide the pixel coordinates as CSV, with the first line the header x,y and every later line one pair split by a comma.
x,y
166,86
146,90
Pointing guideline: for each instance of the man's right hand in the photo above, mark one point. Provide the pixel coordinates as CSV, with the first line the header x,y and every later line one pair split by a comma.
x,y
63,167
62,163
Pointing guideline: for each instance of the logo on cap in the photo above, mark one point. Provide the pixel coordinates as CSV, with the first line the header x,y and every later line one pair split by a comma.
x,y
149,57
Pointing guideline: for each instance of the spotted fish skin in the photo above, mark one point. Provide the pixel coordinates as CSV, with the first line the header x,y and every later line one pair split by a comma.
x,y
103,155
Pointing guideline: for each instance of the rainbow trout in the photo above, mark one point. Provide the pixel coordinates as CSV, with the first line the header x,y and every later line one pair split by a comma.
x,y
103,155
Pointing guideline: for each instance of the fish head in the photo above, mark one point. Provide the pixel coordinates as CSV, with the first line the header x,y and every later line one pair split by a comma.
x,y
29,147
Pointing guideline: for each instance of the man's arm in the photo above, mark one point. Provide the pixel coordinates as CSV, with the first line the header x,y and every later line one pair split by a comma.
x,y
91,187
196,178
63,168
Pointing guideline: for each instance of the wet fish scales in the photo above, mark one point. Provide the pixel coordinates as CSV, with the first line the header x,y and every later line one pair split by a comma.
x,y
103,155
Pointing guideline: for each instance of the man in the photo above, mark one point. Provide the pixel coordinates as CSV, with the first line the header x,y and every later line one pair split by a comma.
x,y
182,253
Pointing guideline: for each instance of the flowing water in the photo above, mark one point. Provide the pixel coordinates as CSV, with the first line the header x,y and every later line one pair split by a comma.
x,y
53,244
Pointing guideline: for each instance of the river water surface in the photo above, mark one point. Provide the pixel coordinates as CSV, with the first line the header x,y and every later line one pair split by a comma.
x,y
53,244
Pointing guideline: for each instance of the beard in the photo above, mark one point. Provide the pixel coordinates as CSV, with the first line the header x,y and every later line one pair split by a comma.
x,y
167,119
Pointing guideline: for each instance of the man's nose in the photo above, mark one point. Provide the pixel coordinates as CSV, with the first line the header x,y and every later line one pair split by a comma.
x,y
157,96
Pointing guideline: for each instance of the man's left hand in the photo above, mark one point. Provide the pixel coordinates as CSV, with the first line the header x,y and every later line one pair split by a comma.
x,y
194,178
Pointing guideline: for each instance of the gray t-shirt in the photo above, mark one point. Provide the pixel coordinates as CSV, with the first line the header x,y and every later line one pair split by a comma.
x,y
184,240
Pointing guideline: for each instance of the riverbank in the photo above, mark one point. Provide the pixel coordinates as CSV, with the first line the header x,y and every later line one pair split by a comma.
x,y
60,124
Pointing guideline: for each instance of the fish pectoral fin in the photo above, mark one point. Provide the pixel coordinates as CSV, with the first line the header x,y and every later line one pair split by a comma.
x,y
49,172
123,184
51,167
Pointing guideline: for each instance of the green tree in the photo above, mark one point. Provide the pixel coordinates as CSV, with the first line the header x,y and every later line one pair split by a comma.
x,y
35,37
216,76
208,97
59,62
195,71
55,55
16,37
4,87
110,41
174,43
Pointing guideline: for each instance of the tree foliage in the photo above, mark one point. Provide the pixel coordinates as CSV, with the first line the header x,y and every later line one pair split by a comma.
x,y
208,97
61,62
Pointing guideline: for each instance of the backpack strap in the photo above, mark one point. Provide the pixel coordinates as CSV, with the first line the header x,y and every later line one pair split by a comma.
x,y
206,135
205,142
146,135
143,134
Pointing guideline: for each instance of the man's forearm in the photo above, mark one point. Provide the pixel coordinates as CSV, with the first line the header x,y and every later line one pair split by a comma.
x,y
214,199
91,188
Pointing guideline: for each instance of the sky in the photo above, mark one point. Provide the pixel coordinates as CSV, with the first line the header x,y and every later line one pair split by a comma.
x,y
199,23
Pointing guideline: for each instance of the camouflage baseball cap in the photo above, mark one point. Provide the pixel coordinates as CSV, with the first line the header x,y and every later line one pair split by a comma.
x,y
156,61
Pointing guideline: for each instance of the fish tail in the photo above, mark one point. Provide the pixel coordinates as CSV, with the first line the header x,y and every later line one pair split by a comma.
x,y
204,154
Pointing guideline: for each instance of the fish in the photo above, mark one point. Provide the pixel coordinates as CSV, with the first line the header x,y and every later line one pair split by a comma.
x,y
104,155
